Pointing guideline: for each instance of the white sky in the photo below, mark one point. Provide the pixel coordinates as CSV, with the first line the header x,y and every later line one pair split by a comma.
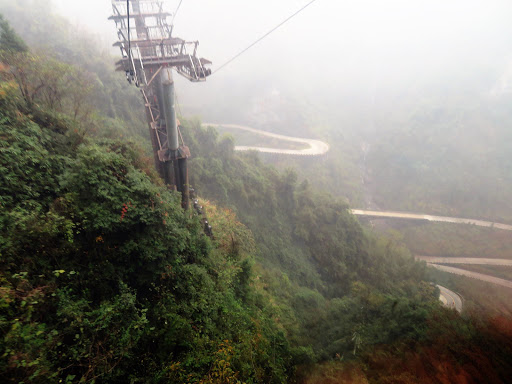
x,y
224,26
338,42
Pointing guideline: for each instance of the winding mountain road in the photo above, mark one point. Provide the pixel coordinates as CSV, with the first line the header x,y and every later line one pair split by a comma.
x,y
316,147
450,298
421,216
439,263
463,260
474,275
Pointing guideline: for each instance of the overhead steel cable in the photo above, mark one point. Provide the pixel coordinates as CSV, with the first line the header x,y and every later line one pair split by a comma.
x,y
264,36
129,39
176,12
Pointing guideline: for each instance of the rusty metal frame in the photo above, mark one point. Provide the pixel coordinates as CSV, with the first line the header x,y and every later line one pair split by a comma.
x,y
151,48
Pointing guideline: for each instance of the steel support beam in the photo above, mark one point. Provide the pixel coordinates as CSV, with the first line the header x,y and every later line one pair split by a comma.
x,y
167,86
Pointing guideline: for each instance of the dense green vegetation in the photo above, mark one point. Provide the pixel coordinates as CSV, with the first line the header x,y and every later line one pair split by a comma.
x,y
380,317
90,291
104,278
315,254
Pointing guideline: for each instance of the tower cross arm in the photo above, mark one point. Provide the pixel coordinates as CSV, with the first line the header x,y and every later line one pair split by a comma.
x,y
119,17
175,61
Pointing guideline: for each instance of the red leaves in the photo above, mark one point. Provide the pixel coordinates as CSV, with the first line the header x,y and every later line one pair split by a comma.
x,y
124,211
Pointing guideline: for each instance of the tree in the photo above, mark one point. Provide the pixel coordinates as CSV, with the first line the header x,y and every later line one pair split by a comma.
x,y
9,39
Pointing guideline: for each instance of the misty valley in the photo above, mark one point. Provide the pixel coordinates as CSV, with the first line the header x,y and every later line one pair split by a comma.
x,y
318,193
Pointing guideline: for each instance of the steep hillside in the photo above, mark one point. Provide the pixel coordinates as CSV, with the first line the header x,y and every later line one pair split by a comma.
x,y
104,278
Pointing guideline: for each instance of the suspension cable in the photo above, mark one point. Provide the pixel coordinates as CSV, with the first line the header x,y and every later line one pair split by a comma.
x,y
176,12
263,37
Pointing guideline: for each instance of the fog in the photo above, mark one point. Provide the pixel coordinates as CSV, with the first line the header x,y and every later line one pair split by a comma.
x,y
356,137
333,39
358,52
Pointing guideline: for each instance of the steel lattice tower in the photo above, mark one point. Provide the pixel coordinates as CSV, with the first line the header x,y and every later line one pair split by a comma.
x,y
150,52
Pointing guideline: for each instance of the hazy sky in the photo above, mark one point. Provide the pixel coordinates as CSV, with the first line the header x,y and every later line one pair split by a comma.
x,y
382,28
337,43
333,36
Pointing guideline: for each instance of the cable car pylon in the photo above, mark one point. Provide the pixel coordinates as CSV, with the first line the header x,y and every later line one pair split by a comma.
x,y
149,54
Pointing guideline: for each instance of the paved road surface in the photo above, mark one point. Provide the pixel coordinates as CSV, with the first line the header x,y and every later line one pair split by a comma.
x,y
450,298
474,275
420,216
316,147
463,260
